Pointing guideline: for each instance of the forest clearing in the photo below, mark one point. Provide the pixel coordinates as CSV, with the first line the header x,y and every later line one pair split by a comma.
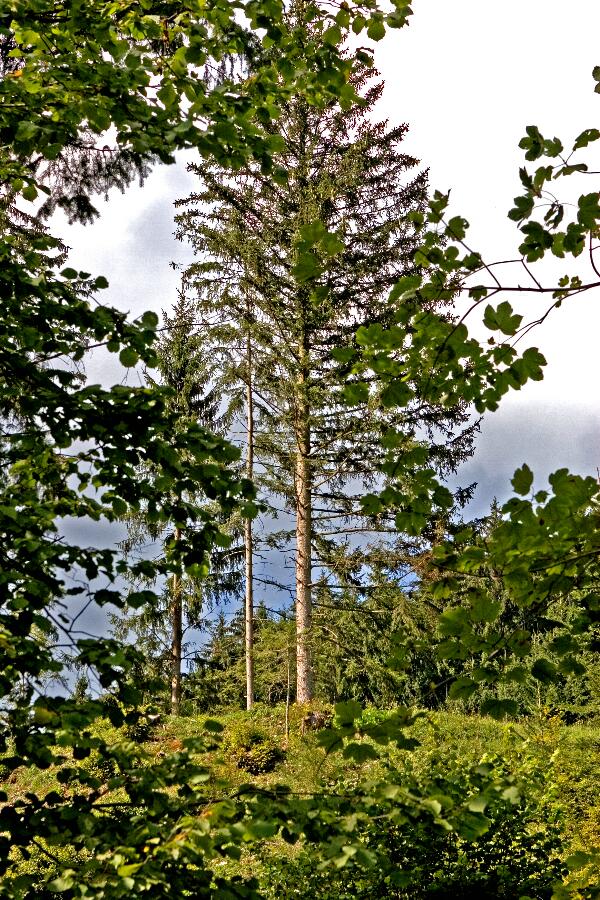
x,y
273,621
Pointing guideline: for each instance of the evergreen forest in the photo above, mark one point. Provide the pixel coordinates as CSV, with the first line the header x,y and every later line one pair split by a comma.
x,y
257,639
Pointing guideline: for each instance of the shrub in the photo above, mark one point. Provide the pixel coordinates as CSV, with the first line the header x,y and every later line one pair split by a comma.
x,y
516,857
140,725
250,748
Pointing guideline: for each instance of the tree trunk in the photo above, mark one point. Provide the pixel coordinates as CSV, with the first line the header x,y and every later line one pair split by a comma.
x,y
176,639
287,697
303,467
248,541
303,487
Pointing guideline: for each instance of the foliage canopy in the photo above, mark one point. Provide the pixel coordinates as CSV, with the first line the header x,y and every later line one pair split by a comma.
x,y
155,76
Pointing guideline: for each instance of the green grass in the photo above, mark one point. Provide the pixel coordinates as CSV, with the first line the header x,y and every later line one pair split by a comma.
x,y
569,757
570,753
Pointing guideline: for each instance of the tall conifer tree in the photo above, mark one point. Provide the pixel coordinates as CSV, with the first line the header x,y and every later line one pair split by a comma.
x,y
191,375
344,183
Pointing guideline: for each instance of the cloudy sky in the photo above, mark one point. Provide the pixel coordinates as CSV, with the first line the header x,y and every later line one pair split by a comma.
x,y
468,77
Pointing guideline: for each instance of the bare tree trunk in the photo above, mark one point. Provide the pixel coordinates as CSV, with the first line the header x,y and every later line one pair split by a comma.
x,y
303,466
176,639
248,539
303,488
287,696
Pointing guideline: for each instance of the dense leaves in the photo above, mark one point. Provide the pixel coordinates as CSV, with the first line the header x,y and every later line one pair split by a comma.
x,y
153,78
72,451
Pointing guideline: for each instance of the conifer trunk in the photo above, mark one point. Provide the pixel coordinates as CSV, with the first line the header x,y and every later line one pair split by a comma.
x,y
303,490
302,469
248,538
176,639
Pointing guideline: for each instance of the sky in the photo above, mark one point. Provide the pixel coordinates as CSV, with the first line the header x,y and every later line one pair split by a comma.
x,y
467,77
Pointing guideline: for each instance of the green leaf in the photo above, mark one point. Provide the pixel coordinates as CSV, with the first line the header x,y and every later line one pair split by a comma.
x,y
522,209
343,18
43,716
485,675
457,228
472,825
128,357
586,137
312,233
376,29
332,35
330,739
421,259
346,713
343,355
63,883
502,318
463,688
26,131
533,362
588,213
484,608
533,143
553,147
307,267
545,671
358,23
119,506
331,244
360,753
432,805
397,394
580,858
512,794
29,192
522,480
356,393
139,599
500,709
406,288
454,621
477,803
128,870
563,644
213,726
537,241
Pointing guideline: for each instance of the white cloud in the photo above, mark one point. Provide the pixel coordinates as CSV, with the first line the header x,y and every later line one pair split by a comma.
x,y
467,77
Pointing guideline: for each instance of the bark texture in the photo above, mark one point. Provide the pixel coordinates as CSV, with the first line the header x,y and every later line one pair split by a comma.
x,y
176,639
303,488
248,540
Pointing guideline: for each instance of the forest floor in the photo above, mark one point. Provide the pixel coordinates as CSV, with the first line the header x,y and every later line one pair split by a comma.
x,y
567,756
569,753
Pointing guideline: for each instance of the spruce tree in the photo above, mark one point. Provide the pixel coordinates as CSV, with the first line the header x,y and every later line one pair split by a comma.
x,y
347,186
183,367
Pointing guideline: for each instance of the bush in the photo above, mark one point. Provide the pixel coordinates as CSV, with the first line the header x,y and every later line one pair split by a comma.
x,y
100,766
141,724
516,857
250,748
